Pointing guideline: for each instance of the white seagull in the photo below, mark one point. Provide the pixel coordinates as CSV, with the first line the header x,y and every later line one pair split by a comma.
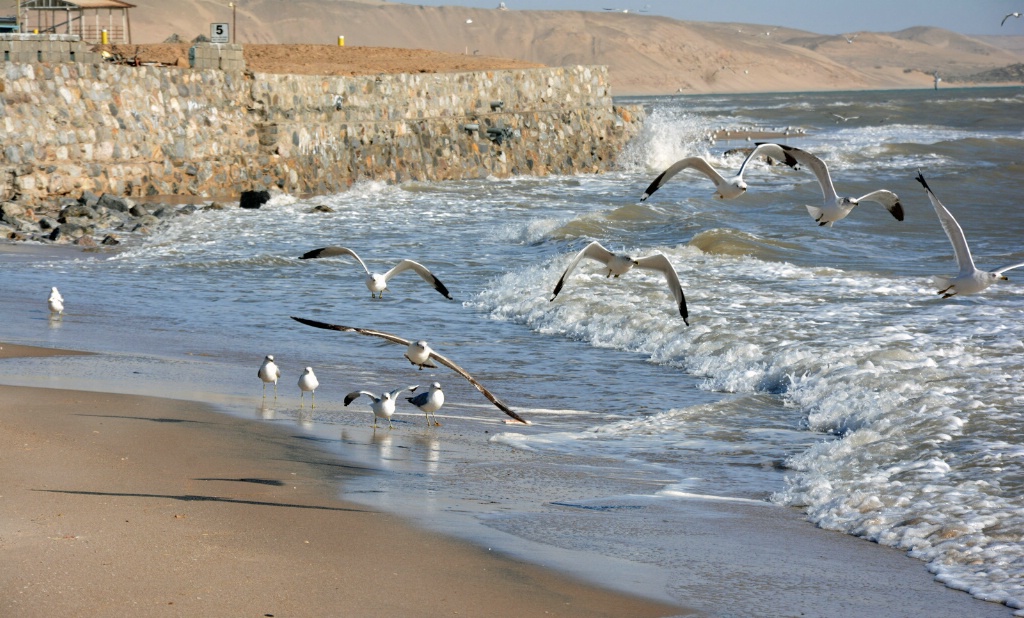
x,y
269,372
55,302
377,282
418,353
1008,16
383,406
725,188
844,118
835,207
621,264
430,401
969,280
308,384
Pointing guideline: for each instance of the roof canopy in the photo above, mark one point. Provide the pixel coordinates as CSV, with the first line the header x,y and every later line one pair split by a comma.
x,y
83,18
64,5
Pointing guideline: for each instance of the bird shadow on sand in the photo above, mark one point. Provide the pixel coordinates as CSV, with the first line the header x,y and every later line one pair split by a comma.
x,y
198,498
144,418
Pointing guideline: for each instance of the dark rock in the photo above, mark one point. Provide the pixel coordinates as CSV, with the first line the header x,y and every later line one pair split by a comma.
x,y
253,199
138,210
89,198
85,241
114,202
55,235
47,223
214,206
78,210
321,208
110,240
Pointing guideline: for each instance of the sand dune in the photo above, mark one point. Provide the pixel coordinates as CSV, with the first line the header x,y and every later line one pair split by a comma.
x,y
645,54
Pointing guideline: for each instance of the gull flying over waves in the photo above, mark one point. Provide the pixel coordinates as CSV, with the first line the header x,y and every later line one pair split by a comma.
x,y
429,401
308,384
377,282
1009,15
621,264
725,188
835,207
55,302
418,353
269,372
969,280
844,118
383,406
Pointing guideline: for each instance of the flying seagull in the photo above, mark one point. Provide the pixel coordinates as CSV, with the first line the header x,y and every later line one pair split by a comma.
x,y
430,401
377,282
1014,14
849,39
621,264
969,280
835,207
725,188
418,353
845,118
383,406
308,384
269,372
55,302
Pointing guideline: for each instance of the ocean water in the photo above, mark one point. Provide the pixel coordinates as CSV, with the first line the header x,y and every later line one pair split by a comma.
x,y
820,370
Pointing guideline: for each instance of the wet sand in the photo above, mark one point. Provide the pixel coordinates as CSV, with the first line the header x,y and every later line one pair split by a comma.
x,y
127,505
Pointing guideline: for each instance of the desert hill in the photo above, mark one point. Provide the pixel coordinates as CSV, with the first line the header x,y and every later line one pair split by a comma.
x,y
645,54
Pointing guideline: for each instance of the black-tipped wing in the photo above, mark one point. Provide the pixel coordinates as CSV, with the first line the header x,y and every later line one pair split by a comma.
x,y
419,400
660,263
816,165
355,395
332,252
954,232
422,271
886,198
697,163
480,387
593,251
361,331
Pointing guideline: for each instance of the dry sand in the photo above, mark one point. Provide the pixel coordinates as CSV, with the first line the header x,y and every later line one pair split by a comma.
x,y
125,505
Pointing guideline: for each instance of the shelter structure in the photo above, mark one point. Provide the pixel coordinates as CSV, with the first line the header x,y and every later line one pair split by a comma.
x,y
86,18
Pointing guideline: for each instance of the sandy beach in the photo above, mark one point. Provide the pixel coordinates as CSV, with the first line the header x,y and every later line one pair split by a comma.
x,y
126,505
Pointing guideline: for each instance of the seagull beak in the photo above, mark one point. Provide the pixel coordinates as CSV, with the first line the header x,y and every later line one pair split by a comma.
x,y
1004,278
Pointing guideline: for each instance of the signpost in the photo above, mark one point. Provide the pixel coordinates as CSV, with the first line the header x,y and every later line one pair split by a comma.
x,y
219,33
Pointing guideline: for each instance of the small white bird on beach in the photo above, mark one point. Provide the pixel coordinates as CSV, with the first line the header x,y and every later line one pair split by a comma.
x,y
969,280
429,401
419,353
383,406
1009,15
308,384
269,372
835,207
55,302
725,188
377,282
621,264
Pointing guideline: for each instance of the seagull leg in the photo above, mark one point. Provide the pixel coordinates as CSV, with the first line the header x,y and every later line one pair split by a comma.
x,y
265,384
312,400
301,403
390,426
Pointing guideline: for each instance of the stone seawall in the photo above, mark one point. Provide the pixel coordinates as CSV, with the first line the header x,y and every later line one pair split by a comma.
x,y
142,131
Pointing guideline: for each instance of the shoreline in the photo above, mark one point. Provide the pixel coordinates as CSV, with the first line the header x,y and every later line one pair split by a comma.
x,y
118,503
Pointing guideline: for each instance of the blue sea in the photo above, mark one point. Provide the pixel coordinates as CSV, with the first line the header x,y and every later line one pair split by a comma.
x,y
821,375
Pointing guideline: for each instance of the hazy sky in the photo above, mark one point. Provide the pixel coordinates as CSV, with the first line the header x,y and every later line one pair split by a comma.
x,y
821,16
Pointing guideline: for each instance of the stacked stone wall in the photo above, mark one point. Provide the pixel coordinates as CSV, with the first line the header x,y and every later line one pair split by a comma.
x,y
138,131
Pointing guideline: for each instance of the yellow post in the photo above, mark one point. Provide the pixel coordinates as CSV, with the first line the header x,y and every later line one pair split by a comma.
x,y
104,37
341,41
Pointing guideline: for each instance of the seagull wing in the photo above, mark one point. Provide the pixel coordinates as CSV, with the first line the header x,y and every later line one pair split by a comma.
x,y
480,387
395,393
422,271
660,263
361,331
890,200
419,400
1006,268
331,252
355,395
769,150
594,251
1008,17
697,163
953,230
817,166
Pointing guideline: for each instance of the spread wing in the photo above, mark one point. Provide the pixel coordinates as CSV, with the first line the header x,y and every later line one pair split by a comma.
x,y
660,263
594,251
773,152
817,166
355,395
953,230
395,393
480,387
1006,268
697,163
361,331
422,271
890,200
331,252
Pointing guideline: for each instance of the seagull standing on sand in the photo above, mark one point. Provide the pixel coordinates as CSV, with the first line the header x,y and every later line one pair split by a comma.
x,y
55,302
418,353
621,264
377,282
835,207
1014,14
383,406
430,401
969,280
725,188
308,384
269,372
